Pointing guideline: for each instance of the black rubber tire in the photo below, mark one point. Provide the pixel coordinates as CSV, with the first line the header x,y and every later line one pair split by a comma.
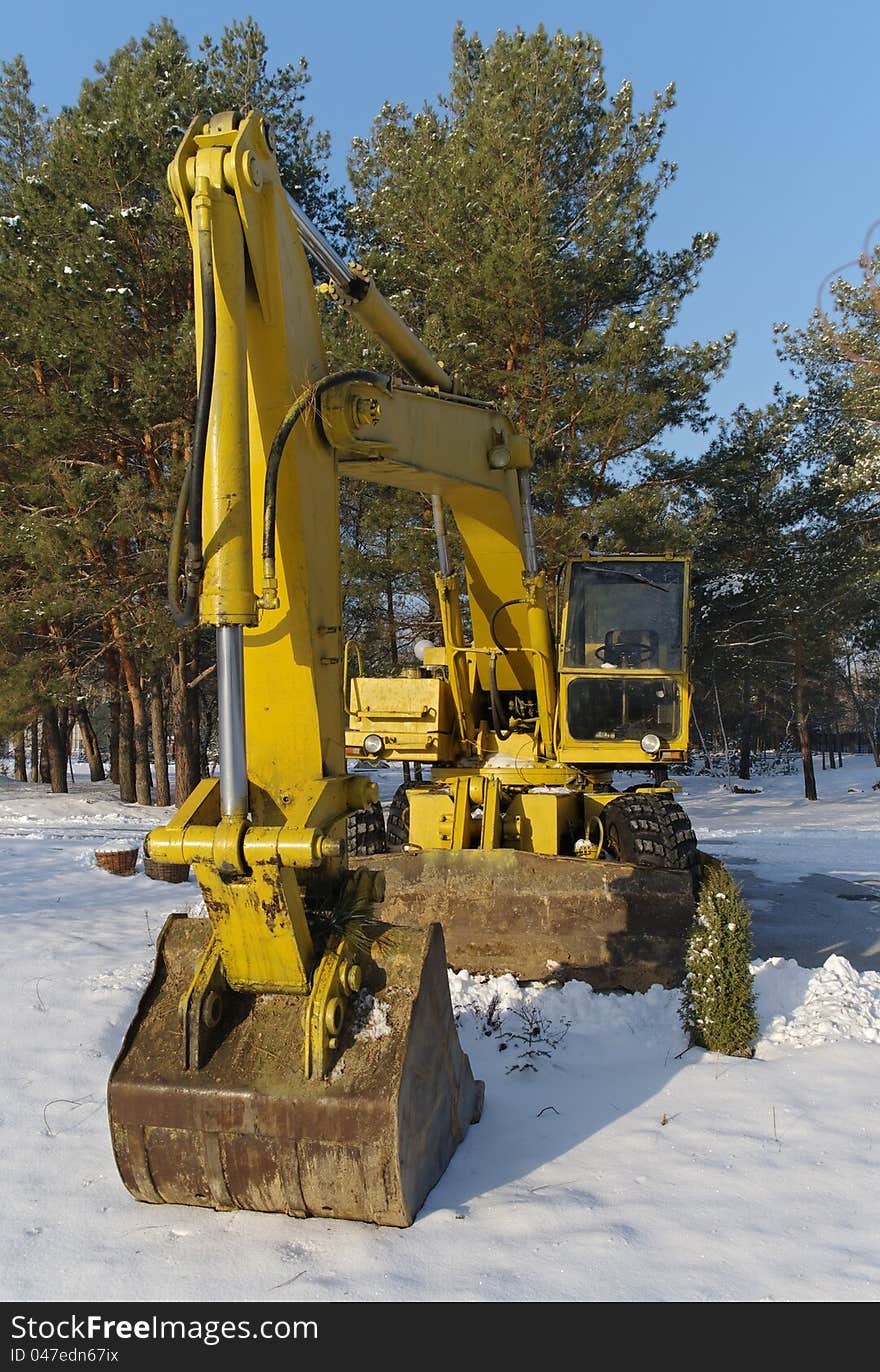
x,y
365,832
397,827
651,831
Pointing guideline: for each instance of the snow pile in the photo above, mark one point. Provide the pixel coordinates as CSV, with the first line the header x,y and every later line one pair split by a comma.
x,y
492,1005
370,1021
370,1017
808,1008
799,1006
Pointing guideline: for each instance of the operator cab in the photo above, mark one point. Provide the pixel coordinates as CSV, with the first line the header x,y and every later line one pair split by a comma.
x,y
623,656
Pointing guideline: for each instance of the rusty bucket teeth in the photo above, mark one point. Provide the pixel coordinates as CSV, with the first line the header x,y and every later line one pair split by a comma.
x,y
245,1130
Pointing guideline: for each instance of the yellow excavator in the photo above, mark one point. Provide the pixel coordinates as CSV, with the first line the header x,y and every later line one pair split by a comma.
x,y
292,1052
520,843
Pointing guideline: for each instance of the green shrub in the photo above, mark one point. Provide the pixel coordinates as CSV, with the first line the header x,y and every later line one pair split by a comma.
x,y
718,1007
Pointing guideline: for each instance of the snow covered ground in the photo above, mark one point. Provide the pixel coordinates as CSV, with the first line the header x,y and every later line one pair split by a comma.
x,y
620,1169
809,870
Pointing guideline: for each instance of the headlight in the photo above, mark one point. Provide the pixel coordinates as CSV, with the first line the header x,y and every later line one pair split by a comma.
x,y
650,744
373,744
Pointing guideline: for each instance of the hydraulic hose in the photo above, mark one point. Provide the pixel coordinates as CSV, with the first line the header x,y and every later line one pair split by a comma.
x,y
308,400
189,504
500,717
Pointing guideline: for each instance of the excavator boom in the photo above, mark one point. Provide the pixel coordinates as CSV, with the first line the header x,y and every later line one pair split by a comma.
x,y
291,1052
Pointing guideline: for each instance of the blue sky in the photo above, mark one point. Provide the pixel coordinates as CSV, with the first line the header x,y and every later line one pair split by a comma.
x,y
775,130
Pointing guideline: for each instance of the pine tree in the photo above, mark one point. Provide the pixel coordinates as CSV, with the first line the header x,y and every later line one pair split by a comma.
x,y
509,225
718,1008
102,339
31,625
97,375
836,358
781,576
23,128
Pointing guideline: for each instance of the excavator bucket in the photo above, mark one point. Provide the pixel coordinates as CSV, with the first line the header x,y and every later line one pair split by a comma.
x,y
612,924
246,1129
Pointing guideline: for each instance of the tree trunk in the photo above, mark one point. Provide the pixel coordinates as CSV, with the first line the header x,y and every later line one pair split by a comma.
x,y
35,750
724,743
55,752
64,727
125,751
20,755
45,768
831,761
873,733
873,741
63,713
160,750
113,681
143,775
90,743
204,730
186,754
193,712
802,718
143,779
390,614
201,712
745,735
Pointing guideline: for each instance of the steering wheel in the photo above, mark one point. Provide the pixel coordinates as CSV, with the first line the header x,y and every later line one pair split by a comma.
x,y
627,654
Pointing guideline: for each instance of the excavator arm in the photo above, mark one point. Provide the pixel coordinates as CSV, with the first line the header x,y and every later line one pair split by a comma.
x,y
417,436
242,1081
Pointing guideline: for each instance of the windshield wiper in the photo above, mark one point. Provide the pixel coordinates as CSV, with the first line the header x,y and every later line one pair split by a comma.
x,y
633,576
